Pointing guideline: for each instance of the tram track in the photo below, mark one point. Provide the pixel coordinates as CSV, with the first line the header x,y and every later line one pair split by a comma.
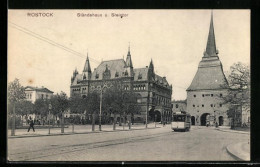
x,y
55,150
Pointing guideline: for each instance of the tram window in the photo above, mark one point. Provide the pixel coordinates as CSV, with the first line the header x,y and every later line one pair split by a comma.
x,y
179,118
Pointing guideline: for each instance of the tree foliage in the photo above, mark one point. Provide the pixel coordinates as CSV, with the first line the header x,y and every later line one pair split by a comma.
x,y
77,104
238,95
41,107
15,91
24,107
59,103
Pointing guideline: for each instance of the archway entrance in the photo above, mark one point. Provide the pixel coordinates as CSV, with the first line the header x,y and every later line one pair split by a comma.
x,y
203,119
220,120
157,116
151,115
192,120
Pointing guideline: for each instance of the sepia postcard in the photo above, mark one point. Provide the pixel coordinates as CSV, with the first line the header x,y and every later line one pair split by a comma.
x,y
128,85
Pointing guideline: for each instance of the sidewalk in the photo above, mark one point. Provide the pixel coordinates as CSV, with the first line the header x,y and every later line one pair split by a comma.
x,y
241,151
227,129
78,129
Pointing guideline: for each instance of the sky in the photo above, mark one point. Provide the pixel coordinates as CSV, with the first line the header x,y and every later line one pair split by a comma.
x,y
44,51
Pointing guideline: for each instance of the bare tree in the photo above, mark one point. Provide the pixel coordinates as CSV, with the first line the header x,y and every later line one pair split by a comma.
x,y
238,95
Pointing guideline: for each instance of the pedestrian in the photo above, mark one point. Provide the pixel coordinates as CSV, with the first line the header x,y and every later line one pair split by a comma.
x,y
216,124
31,125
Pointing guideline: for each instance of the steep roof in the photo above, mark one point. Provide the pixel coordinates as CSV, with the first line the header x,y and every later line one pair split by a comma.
x,y
143,72
42,89
87,66
211,43
210,72
115,66
161,80
209,77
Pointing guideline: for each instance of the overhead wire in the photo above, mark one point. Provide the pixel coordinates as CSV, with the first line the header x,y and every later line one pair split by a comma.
x,y
42,38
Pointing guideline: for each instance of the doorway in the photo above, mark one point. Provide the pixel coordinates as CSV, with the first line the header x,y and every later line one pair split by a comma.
x,y
203,119
192,120
220,120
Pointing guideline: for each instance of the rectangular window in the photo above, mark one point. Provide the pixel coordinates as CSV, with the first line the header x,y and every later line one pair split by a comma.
x,y
211,105
177,105
202,95
194,95
211,95
202,105
220,105
193,105
220,94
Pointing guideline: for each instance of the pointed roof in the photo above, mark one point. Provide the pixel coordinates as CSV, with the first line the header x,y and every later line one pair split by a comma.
x,y
128,58
87,66
151,64
210,73
211,44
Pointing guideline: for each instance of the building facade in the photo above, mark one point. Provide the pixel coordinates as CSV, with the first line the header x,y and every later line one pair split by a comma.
x,y
179,105
153,91
209,85
34,93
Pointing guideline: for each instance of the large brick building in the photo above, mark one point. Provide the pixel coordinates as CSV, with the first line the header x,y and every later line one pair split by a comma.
x,y
153,91
204,95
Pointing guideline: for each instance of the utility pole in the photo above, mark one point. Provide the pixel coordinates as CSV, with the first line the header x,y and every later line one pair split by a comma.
x,y
49,118
100,110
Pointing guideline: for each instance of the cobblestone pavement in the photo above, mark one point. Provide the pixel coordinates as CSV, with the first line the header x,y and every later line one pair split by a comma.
x,y
160,144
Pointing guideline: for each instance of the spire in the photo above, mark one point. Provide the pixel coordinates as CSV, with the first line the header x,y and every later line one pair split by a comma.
x,y
211,44
151,64
87,65
128,58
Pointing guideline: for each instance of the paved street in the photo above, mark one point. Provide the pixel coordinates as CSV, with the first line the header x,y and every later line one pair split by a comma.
x,y
159,144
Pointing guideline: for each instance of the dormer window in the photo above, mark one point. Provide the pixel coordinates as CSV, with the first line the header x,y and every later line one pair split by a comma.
x,y
140,76
97,76
126,73
116,74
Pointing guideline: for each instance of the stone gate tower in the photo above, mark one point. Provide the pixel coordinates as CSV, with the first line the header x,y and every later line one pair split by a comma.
x,y
204,95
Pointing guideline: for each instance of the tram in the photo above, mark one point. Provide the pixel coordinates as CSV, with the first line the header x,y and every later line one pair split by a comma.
x,y
181,121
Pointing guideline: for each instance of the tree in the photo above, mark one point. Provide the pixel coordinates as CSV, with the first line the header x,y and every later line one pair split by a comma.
x,y
15,93
77,104
59,103
120,102
24,107
41,107
93,106
238,94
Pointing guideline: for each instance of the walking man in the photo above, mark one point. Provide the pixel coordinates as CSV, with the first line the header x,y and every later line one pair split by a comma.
x,y
31,125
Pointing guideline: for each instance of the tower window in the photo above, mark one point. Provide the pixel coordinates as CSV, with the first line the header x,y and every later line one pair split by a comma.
x,y
194,95
202,105
220,105
211,95
202,95
211,105
220,95
193,105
